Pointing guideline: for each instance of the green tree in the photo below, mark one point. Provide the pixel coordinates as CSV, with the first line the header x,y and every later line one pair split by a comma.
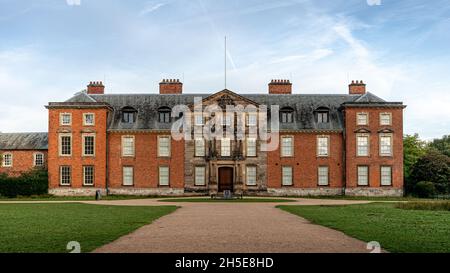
x,y
413,149
441,144
433,167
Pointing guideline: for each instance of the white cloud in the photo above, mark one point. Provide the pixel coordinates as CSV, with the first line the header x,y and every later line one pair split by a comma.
x,y
151,8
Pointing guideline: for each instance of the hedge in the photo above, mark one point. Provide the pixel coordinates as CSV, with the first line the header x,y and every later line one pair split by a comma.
x,y
31,183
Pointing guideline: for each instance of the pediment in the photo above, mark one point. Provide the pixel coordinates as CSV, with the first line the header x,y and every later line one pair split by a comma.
x,y
227,97
362,130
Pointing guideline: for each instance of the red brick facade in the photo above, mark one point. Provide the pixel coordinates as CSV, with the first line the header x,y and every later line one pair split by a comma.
x,y
22,161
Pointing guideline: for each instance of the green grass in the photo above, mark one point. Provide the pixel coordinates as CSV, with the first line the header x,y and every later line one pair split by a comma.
x,y
441,205
369,198
49,227
244,200
397,230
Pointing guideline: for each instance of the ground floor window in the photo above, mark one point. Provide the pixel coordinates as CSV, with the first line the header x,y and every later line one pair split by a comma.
x,y
128,176
88,175
164,176
286,175
200,173
323,176
251,175
363,175
386,176
65,174
38,159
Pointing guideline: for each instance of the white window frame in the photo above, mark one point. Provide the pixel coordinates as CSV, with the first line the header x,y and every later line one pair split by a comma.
x,y
11,158
391,139
284,180
197,121
199,147
320,176
227,119
251,175
227,151
251,149
133,146
160,180
383,176
320,148
381,119
61,119
162,153
85,121
60,144
61,175
252,119
200,170
84,175
283,148
359,175
35,159
127,177
358,120
83,140
358,151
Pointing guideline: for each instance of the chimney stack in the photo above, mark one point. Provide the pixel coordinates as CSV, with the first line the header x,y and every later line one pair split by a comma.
x,y
170,86
95,88
357,88
280,87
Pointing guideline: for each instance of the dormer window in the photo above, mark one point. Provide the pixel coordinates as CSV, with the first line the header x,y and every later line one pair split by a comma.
x,y
286,115
322,114
128,115
164,114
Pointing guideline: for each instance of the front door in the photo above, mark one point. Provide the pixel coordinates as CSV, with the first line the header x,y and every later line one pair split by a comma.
x,y
225,179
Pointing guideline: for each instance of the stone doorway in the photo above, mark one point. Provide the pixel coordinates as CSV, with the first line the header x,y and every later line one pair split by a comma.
x,y
226,177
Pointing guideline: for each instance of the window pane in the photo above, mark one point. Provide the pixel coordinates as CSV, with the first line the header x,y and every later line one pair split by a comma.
x,y
386,176
89,119
362,119
251,147
128,175
89,144
225,147
198,120
128,146
65,175
7,160
252,119
286,146
323,176
66,119
322,143
66,143
385,119
287,176
200,147
363,175
200,173
88,175
385,145
39,160
251,175
363,146
164,146
164,176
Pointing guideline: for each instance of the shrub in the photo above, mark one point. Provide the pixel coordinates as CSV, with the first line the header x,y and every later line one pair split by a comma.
x,y
445,205
434,167
425,189
31,183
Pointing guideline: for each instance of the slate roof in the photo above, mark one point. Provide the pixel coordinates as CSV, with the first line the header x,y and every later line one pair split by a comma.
x,y
304,106
23,141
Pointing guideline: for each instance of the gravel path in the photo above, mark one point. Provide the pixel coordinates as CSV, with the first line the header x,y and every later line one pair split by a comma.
x,y
233,227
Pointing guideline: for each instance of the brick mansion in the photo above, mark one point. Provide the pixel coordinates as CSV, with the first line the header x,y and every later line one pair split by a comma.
x,y
328,144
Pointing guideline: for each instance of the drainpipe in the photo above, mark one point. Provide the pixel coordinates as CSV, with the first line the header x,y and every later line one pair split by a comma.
x,y
344,156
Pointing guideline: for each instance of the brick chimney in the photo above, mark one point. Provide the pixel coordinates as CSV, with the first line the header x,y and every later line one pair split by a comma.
x,y
170,86
280,87
96,88
357,88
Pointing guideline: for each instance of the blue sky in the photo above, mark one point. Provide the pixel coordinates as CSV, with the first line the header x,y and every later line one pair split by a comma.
x,y
49,50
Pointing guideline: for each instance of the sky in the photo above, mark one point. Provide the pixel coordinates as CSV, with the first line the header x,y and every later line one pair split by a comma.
x,y
51,49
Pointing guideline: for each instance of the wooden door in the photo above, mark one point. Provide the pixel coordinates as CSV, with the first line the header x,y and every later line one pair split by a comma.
x,y
225,179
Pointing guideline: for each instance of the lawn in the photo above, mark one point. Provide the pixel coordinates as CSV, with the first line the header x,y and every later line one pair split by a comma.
x,y
396,229
244,200
49,227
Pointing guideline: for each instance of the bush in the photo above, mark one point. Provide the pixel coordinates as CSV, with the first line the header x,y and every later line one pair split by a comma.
x,y
445,206
425,189
31,183
434,167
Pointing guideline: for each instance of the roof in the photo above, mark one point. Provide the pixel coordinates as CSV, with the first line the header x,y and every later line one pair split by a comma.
x,y
304,106
23,141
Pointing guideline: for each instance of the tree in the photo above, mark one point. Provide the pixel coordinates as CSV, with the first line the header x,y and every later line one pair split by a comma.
x,y
413,149
433,167
441,144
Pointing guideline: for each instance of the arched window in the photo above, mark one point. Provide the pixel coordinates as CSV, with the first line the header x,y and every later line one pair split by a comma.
x,y
286,115
323,115
128,114
164,114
